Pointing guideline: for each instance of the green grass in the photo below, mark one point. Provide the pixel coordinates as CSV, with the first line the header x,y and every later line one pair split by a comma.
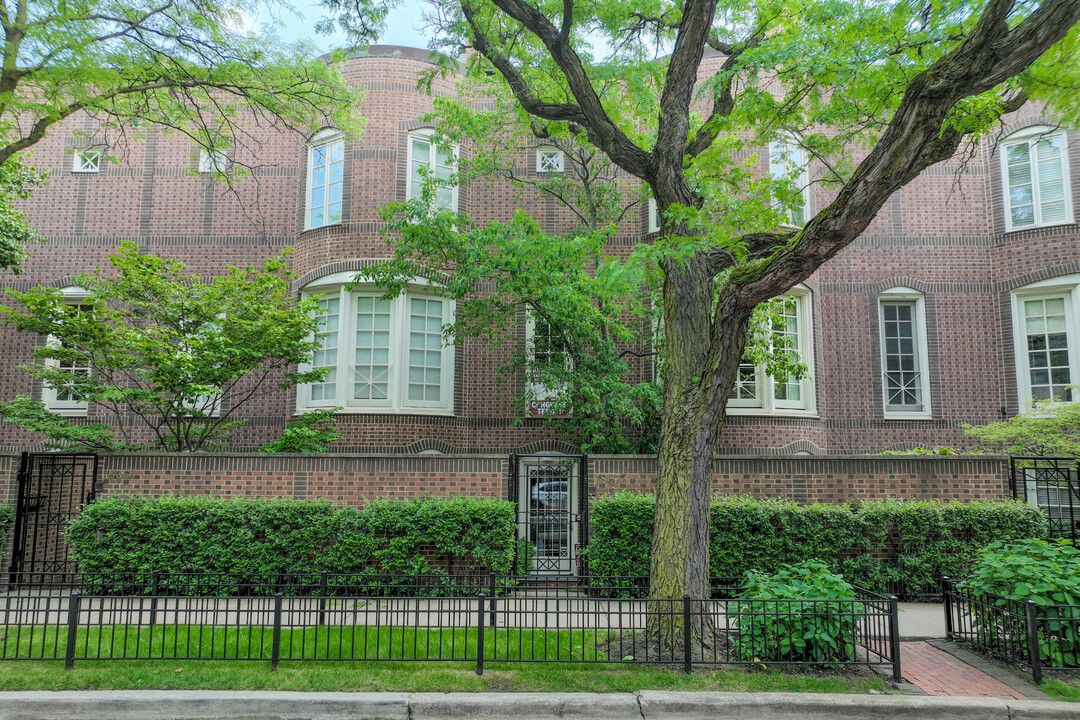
x,y
1067,690
407,677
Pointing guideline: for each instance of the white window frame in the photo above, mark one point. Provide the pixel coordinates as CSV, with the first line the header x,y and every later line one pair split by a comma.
x,y
766,402
425,135
654,216
786,159
86,160
1030,137
328,139
1066,287
335,286
559,164
537,394
213,161
49,395
922,358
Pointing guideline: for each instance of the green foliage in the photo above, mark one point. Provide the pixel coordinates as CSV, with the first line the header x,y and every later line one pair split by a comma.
x,y
939,450
17,181
165,347
781,616
7,517
1050,430
311,433
1047,573
878,544
291,537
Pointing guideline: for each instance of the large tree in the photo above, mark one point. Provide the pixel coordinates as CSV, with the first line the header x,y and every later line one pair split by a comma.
x,y
185,65
874,91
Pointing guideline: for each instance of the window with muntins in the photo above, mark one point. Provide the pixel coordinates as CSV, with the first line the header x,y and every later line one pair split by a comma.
x,y
430,161
1045,332
385,354
86,161
326,179
904,360
62,399
1035,178
546,350
787,161
549,160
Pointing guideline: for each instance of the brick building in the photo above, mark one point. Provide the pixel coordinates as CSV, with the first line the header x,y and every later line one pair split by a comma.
x,y
960,304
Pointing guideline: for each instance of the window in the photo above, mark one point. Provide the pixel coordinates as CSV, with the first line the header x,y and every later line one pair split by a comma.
x,y
787,161
62,400
428,160
654,216
549,160
1045,333
755,392
904,363
546,349
1035,178
87,160
381,354
213,161
326,175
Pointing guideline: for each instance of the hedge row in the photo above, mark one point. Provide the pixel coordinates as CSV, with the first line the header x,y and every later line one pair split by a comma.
x,y
7,517
901,546
289,537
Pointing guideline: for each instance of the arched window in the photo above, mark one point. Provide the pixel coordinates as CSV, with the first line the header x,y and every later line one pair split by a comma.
x,y
1035,178
384,355
905,376
325,179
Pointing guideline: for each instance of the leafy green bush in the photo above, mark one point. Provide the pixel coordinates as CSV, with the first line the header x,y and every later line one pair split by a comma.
x,y
312,432
1047,573
880,544
795,614
285,537
7,517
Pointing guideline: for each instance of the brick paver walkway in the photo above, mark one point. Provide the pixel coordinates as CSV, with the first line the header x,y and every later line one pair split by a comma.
x,y
939,673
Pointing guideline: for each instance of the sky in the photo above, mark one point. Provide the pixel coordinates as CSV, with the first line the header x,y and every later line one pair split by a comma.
x,y
403,27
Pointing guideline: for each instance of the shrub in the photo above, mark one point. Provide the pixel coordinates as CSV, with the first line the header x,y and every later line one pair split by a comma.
x,y
795,615
285,537
310,433
876,544
7,517
1048,573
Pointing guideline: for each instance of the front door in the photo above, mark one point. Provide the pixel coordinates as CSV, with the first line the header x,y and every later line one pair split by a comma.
x,y
549,512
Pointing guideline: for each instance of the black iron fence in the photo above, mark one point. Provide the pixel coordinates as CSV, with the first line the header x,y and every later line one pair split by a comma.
x,y
1053,485
1043,637
492,619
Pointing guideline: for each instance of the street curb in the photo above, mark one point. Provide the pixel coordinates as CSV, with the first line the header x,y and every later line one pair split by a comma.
x,y
646,705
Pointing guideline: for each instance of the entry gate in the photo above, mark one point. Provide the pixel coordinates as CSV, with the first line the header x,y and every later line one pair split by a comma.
x,y
552,496
1053,485
52,490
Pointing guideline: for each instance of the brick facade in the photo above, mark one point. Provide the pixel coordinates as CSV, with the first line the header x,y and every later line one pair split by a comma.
x,y
942,235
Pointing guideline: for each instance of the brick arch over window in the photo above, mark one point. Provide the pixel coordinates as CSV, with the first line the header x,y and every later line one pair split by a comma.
x,y
352,265
543,446
1047,273
900,281
797,446
430,444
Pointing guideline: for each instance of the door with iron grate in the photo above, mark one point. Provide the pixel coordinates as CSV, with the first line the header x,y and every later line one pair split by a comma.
x,y
1052,485
53,488
552,506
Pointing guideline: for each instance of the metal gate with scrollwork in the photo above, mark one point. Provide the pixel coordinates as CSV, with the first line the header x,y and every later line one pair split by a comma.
x,y
52,490
1052,485
552,497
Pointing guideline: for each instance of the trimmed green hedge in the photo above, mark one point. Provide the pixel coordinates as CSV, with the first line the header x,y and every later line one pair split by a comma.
x,y
882,545
7,517
283,537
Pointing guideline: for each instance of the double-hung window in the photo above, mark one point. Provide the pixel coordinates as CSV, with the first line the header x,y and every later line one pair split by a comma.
x,y
788,163
381,354
546,351
431,162
326,178
61,398
904,357
755,392
1046,330
1035,179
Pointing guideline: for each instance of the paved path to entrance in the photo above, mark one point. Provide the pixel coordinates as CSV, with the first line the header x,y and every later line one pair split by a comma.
x,y
939,673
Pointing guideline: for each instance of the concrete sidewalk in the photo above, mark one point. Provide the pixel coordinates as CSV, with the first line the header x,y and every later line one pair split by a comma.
x,y
645,705
922,621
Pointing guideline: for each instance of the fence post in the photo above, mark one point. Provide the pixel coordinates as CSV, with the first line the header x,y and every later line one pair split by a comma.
x,y
491,620
480,637
275,652
155,590
73,627
1034,651
322,601
687,655
947,597
894,637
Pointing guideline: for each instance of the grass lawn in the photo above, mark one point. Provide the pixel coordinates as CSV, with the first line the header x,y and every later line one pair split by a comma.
x,y
407,677
1067,690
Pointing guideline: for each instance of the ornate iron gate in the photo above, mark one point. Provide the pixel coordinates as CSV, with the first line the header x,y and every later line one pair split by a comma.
x,y
53,488
552,496
1053,485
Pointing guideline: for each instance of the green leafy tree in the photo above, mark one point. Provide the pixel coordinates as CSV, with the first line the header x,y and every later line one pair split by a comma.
x,y
874,91
181,354
1049,431
183,65
312,432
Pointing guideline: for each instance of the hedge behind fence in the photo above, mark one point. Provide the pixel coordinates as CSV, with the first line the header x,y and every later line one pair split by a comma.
x,y
7,517
881,544
282,537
